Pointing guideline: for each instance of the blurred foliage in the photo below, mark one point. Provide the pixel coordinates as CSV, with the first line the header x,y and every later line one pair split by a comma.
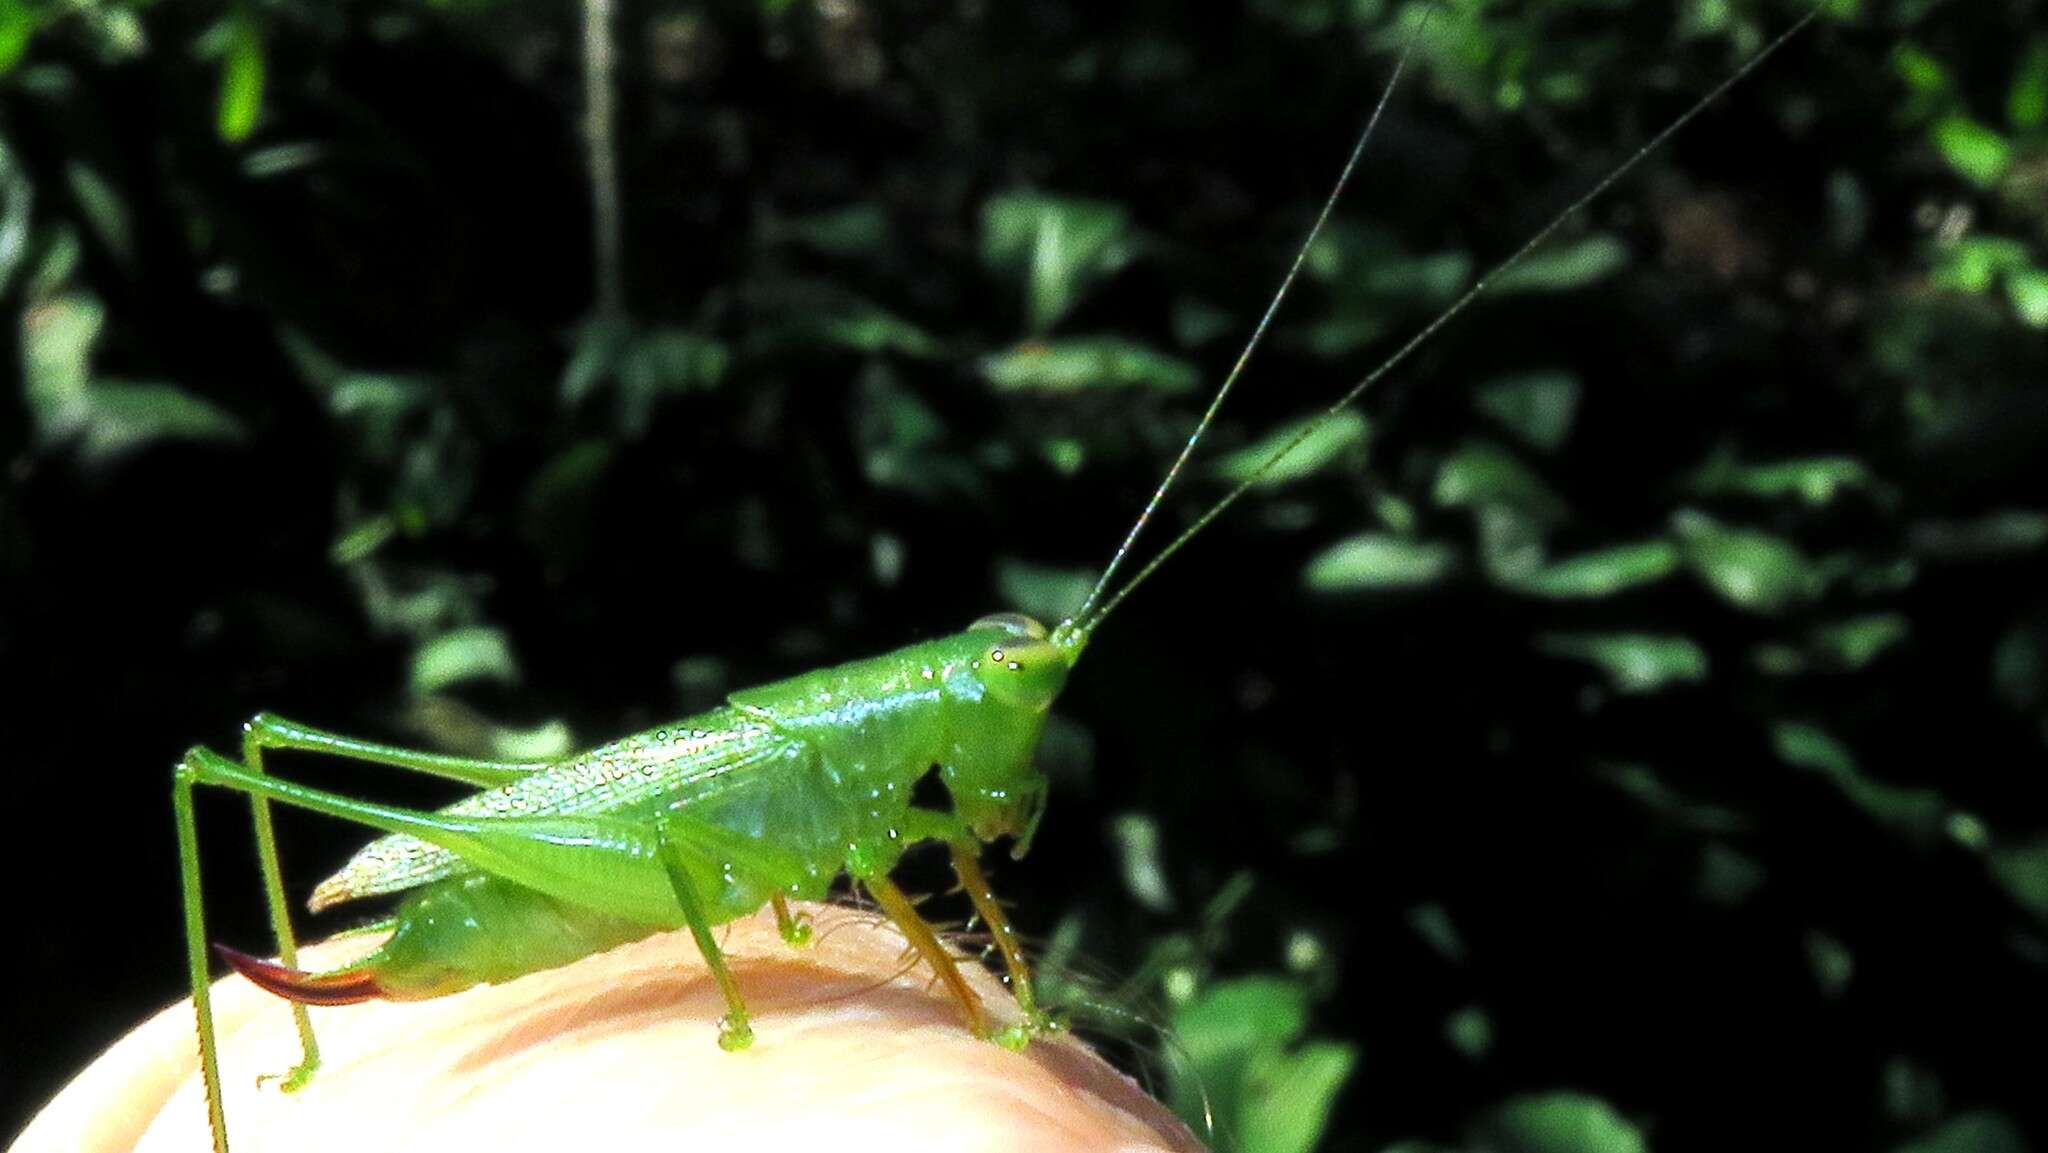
x,y
1622,732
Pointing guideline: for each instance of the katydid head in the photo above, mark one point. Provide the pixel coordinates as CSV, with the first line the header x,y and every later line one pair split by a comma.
x,y
1008,676
1020,665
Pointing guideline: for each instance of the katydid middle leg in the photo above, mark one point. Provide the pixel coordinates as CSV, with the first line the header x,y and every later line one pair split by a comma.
x,y
735,1031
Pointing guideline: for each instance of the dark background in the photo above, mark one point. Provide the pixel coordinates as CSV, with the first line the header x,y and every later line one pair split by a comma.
x,y
1735,838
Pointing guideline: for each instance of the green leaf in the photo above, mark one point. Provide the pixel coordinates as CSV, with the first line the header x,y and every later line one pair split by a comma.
x,y
1481,474
1137,840
1470,1032
1974,264
1078,363
1273,1094
1852,644
1632,662
18,23
466,654
1642,784
241,78
1814,480
128,415
1060,247
102,208
1979,154
1376,561
2027,289
1921,72
1566,267
1977,1132
1832,963
664,362
1987,537
1604,572
857,230
1334,440
58,336
1754,571
1043,591
1538,407
362,540
1920,815
1560,1123
2026,105
1808,747
2023,870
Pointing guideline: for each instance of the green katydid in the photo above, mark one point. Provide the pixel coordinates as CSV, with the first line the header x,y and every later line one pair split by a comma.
x,y
765,799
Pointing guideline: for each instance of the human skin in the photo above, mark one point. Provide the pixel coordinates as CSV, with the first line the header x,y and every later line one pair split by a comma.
x,y
854,1051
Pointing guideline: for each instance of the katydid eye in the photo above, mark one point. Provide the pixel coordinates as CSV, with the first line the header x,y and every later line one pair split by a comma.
x,y
1016,624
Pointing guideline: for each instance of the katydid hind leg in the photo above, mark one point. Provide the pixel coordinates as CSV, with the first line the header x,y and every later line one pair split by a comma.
x,y
268,732
279,908
196,968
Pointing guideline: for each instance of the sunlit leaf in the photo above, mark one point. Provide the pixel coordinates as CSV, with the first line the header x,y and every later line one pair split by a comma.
x,y
2027,289
1374,561
241,78
1853,644
1539,407
1632,662
127,415
18,23
1059,246
1751,570
1273,1093
1078,363
477,653
1919,814
1565,266
1977,153
1815,480
1137,840
1560,1123
1334,440
58,336
1480,474
1603,573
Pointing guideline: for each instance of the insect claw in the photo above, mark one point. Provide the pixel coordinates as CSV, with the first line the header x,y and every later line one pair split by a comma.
x,y
342,988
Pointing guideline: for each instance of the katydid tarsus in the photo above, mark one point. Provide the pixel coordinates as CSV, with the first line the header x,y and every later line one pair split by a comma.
x,y
766,799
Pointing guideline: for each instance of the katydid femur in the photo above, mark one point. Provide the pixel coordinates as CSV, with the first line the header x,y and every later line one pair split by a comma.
x,y
765,799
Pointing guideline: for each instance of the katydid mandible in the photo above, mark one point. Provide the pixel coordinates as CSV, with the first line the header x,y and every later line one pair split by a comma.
x,y
767,798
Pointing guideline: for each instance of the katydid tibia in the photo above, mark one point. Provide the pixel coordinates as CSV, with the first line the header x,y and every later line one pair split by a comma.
x,y
767,798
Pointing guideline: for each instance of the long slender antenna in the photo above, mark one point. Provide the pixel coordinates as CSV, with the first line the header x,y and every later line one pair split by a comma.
x,y
1251,345
1087,623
